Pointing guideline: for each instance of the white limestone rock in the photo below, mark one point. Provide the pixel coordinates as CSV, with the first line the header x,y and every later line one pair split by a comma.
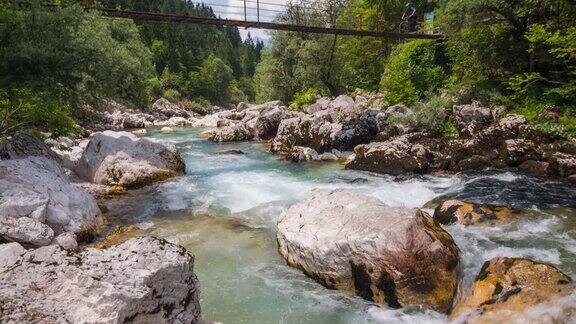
x,y
10,254
390,255
123,159
37,201
144,280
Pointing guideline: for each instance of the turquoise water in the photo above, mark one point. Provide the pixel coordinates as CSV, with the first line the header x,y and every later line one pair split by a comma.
x,y
225,209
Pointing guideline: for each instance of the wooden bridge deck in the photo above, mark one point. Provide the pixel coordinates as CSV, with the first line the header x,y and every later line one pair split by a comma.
x,y
161,17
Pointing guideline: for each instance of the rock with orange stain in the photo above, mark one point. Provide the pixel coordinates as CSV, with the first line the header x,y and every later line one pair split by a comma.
x,y
507,287
467,213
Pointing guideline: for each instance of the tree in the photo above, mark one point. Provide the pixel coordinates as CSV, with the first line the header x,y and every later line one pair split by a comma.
x,y
212,81
414,69
182,49
54,61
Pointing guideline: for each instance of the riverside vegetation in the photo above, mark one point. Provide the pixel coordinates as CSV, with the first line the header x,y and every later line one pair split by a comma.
x,y
317,178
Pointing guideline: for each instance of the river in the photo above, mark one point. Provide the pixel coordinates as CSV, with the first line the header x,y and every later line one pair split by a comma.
x,y
225,209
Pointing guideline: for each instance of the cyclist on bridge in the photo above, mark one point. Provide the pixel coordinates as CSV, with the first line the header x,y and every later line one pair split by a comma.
x,y
410,15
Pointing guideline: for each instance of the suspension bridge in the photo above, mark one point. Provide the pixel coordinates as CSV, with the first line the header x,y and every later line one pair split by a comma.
x,y
258,14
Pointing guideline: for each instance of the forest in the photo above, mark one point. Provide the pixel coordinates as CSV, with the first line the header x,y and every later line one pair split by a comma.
x,y
55,60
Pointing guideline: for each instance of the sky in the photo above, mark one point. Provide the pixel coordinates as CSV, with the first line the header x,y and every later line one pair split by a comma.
x,y
234,9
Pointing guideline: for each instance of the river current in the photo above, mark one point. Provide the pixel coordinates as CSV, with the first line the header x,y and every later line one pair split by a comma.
x,y
225,209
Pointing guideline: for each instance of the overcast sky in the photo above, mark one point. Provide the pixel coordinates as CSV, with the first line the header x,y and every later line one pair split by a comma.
x,y
234,9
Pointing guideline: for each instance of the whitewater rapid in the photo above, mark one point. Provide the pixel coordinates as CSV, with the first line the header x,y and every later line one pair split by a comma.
x,y
225,209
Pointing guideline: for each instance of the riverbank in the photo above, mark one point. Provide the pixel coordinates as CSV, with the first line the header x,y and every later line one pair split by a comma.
x,y
225,207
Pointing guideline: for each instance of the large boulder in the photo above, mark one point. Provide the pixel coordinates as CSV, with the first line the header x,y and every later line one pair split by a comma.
x,y
177,121
123,159
521,150
164,107
233,133
564,164
360,128
207,121
467,213
320,104
127,119
37,202
23,144
471,118
336,124
267,122
507,286
342,109
310,131
395,256
145,280
393,157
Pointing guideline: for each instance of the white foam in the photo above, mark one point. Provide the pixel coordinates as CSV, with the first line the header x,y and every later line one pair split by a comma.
x,y
383,315
412,193
504,176
542,255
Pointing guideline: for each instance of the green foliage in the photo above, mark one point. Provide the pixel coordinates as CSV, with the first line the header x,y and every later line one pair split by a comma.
x,y
518,53
555,49
212,81
155,88
182,51
304,98
199,105
361,58
172,95
297,61
450,129
429,115
414,69
24,108
248,88
62,58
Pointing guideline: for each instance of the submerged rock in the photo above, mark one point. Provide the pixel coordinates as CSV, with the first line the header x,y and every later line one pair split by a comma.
x,y
145,280
395,256
304,154
37,202
229,152
467,213
123,159
166,130
506,286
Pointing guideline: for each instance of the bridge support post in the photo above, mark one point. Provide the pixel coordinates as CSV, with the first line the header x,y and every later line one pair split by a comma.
x,y
245,15
258,10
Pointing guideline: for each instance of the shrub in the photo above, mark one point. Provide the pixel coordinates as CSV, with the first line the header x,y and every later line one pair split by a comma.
x,y
200,106
24,108
236,94
413,70
429,115
155,88
304,98
172,95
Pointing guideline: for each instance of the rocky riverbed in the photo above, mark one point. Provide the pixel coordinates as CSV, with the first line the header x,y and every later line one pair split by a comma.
x,y
278,241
